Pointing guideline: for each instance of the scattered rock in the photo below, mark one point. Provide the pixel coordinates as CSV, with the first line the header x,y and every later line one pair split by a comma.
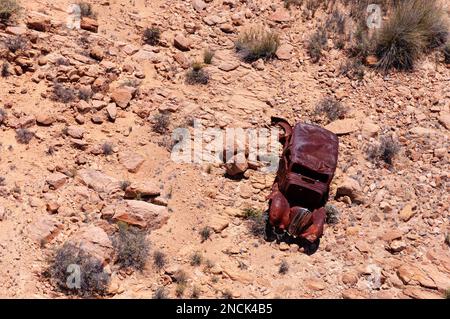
x,y
280,15
132,161
218,223
284,52
350,187
143,189
182,43
75,131
407,213
343,127
56,180
141,214
45,229
237,165
89,24
39,22
122,96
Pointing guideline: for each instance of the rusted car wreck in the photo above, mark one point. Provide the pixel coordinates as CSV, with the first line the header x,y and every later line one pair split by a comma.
x,y
301,187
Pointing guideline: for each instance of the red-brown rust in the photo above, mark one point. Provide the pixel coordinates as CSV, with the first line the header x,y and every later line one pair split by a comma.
x,y
301,187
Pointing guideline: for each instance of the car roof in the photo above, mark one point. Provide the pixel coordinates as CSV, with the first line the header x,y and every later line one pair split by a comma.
x,y
314,147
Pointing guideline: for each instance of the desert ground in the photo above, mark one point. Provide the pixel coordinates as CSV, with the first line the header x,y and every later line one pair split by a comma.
x,y
86,123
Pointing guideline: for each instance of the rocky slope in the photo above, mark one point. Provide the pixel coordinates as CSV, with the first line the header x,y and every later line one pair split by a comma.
x,y
68,182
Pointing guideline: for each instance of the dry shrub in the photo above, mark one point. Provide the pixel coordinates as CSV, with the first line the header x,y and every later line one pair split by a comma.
x,y
413,27
93,279
257,42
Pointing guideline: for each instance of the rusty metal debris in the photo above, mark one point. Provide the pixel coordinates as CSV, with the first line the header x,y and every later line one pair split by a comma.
x,y
300,190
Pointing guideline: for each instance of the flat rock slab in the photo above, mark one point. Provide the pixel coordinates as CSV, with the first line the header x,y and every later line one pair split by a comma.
x,y
343,127
141,214
132,161
98,181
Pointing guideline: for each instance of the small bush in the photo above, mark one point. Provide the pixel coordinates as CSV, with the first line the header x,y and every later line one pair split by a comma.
x,y
196,259
107,148
152,36
197,75
256,221
5,72
385,150
413,27
332,109
205,232
24,136
195,292
159,259
316,44
353,69
86,10
332,214
161,123
85,94
227,294
2,116
124,185
132,247
180,277
289,3
447,294
16,43
336,22
179,290
447,239
284,267
252,212
160,293
257,42
8,8
447,53
93,279
62,93
362,43
208,56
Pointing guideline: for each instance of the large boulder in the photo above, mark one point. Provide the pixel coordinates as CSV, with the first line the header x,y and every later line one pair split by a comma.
x,y
140,214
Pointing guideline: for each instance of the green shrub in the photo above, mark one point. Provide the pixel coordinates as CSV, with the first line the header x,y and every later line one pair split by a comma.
x,y
284,267
257,42
205,233
159,259
196,259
